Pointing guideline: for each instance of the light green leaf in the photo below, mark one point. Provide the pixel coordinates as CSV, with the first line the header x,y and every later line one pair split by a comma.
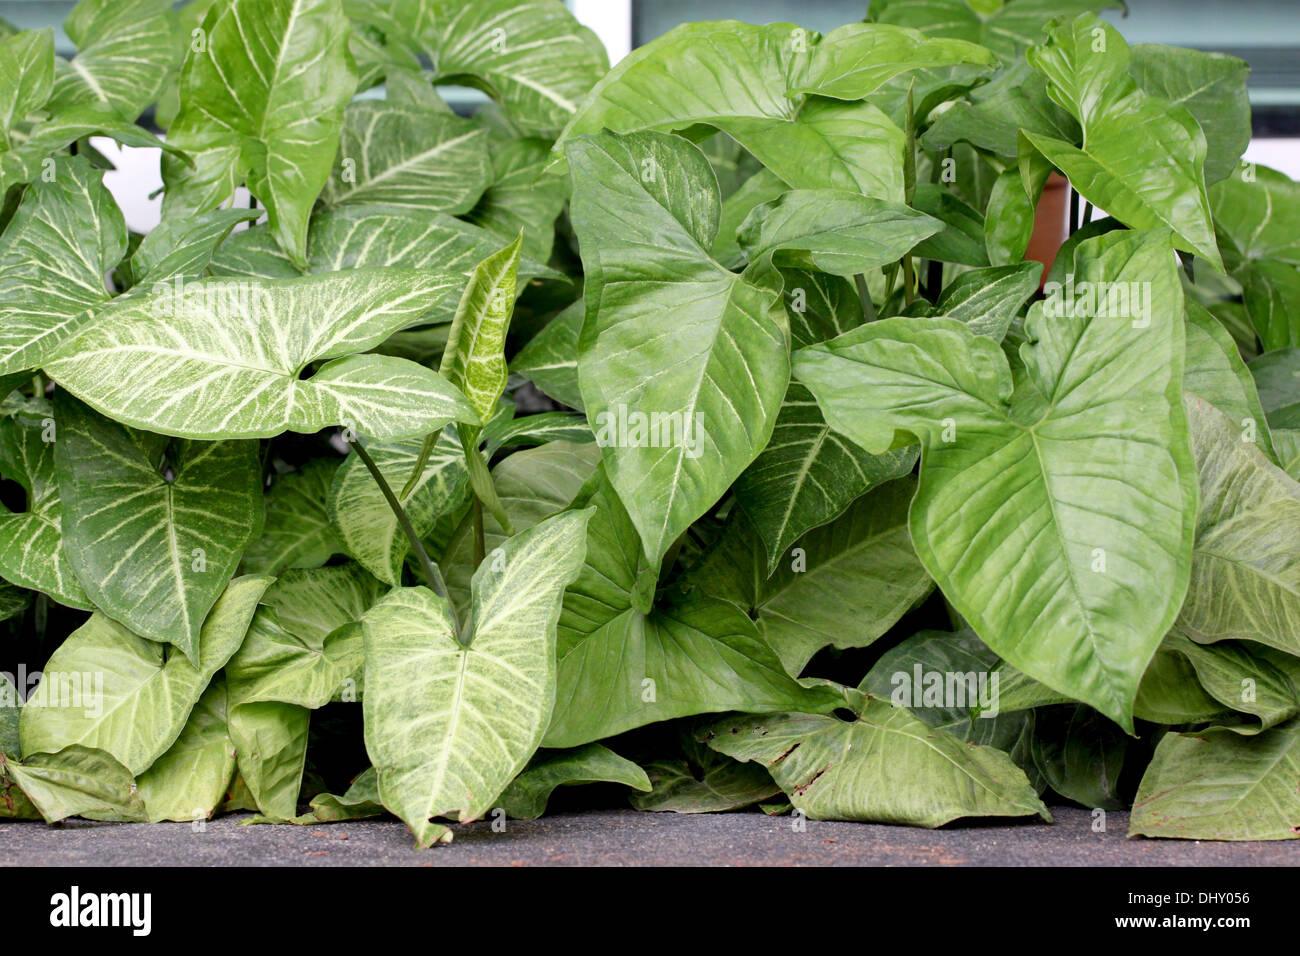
x,y
146,694
1215,785
1277,375
189,781
1142,157
405,156
992,116
625,662
843,584
31,541
742,79
989,300
264,102
271,752
550,359
238,374
718,785
26,76
855,60
526,797
448,726
124,50
366,524
1212,86
669,333
66,235
154,528
297,532
474,360
10,708
183,247
1245,567
833,231
1032,484
533,58
1005,28
359,802
523,196
74,782
883,766
1216,373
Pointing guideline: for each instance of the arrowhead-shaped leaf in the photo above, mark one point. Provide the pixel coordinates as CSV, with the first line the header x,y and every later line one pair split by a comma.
x,y
246,345
672,339
263,101
146,694
448,726
65,237
155,529
1056,504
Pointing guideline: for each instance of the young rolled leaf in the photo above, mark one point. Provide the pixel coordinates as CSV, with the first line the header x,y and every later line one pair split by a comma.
x,y
670,333
155,529
1039,510
490,698
240,375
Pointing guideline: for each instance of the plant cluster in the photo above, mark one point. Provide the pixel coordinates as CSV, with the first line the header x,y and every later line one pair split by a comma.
x,y
696,427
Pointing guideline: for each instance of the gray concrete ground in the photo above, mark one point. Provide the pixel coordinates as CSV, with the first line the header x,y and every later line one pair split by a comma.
x,y
625,837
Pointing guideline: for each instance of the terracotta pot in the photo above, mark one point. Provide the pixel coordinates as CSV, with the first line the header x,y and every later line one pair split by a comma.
x,y
1051,223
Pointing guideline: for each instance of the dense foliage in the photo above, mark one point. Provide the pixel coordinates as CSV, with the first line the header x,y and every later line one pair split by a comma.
x,y
696,427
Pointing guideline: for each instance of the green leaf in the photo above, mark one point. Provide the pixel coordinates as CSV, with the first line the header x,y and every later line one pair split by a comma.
x,y
669,333
523,196
857,59
833,231
448,726
263,102
297,532
155,530
303,644
65,237
1142,157
526,797
10,708
1212,86
625,662
721,784
1081,755
1033,482
993,115
1215,785
550,360
1256,219
402,155
843,584
73,782
189,781
183,247
26,76
1013,205
989,300
31,541
1245,567
474,360
124,50
1277,375
146,695
359,802
533,58
1216,373
366,524
239,375
883,766
271,743
1005,28
961,238
742,79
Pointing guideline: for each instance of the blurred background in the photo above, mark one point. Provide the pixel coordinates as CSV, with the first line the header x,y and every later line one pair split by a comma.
x,y
1264,33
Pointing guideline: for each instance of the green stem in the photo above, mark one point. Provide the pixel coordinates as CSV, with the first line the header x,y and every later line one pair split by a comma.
x,y
909,280
480,544
868,307
431,573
